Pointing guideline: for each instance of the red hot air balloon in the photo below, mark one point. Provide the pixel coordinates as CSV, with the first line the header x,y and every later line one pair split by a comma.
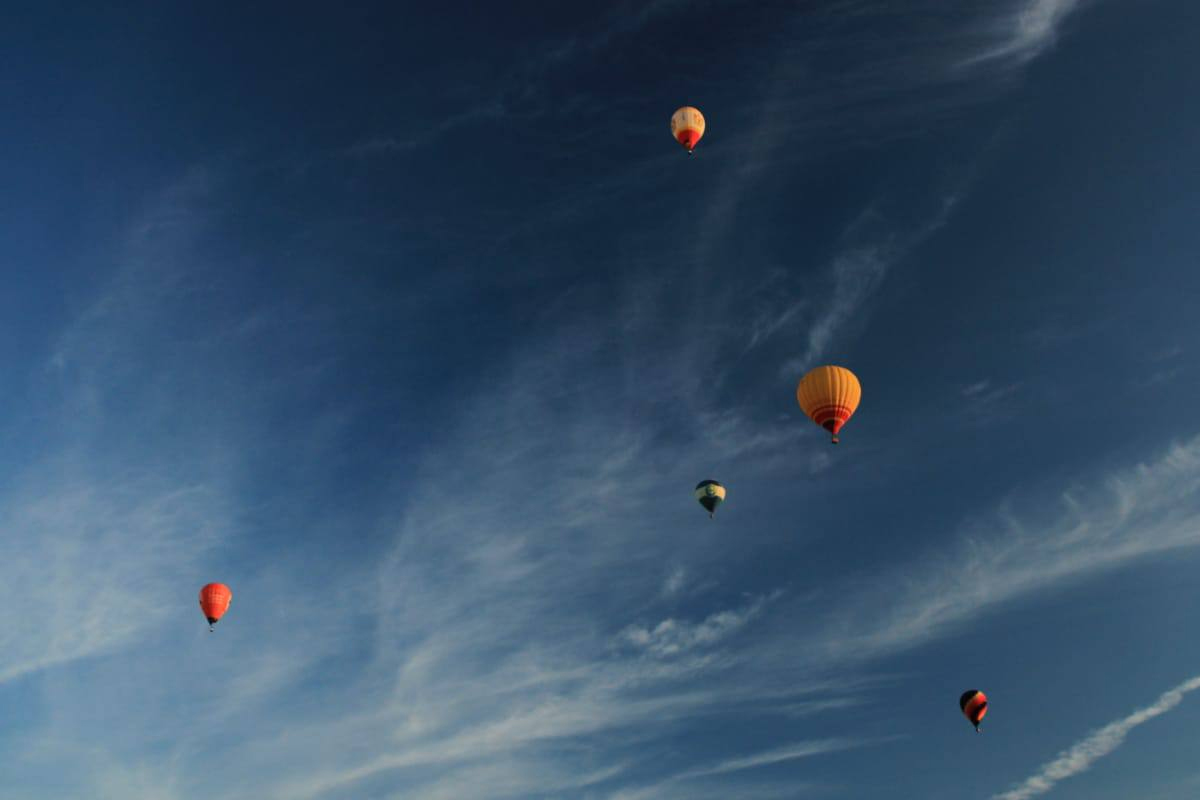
x,y
974,705
214,602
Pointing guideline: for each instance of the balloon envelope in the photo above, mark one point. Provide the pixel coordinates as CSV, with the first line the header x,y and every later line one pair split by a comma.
x,y
974,705
214,601
829,396
710,494
687,126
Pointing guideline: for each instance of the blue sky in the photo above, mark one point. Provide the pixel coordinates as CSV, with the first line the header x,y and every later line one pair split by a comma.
x,y
414,326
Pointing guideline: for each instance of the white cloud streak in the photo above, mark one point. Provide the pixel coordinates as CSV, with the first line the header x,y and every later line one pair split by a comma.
x,y
854,275
779,755
104,533
1133,513
1026,31
57,543
126,507
675,582
997,42
1080,757
673,637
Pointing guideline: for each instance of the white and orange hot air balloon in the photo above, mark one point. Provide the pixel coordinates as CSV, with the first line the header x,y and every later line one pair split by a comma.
x,y
687,126
214,601
829,396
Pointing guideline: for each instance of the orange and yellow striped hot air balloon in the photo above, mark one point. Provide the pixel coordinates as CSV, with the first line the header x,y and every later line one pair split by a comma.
x,y
974,705
829,395
687,126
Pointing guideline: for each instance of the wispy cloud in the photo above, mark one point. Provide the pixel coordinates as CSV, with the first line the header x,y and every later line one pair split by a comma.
x,y
983,396
986,402
1025,31
675,581
386,145
1080,757
718,790
1169,353
1128,515
92,493
132,500
517,90
380,145
993,38
673,637
779,755
57,539
976,389
622,23
856,273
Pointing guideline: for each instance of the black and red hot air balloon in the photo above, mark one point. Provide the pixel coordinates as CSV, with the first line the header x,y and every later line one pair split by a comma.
x,y
974,705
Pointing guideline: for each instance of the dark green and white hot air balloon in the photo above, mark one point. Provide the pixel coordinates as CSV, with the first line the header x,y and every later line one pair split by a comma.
x,y
710,494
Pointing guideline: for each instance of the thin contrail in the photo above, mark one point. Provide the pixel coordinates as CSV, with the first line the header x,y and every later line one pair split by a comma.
x,y
1080,757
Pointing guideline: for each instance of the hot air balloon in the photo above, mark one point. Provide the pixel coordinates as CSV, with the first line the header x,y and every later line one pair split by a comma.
x,y
214,602
710,494
687,126
829,395
974,706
